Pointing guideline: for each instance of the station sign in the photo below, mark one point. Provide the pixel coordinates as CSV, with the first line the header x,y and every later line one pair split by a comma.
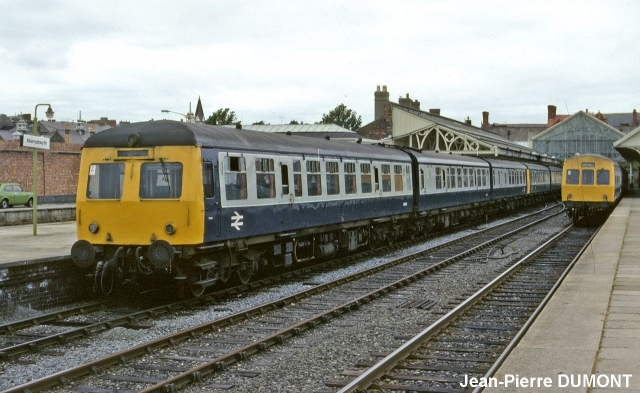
x,y
39,142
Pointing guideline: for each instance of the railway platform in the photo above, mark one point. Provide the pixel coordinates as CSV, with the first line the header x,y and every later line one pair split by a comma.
x,y
19,246
589,332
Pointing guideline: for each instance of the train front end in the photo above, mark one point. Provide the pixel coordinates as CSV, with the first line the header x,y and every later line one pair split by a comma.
x,y
138,210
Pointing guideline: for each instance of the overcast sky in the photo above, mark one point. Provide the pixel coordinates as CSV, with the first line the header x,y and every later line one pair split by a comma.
x,y
278,61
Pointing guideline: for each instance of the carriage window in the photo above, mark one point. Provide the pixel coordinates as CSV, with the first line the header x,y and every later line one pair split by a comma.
x,y
235,178
602,177
105,181
386,178
397,177
333,178
207,179
365,178
421,179
314,180
350,178
465,176
297,178
407,178
161,180
452,177
265,178
439,178
587,176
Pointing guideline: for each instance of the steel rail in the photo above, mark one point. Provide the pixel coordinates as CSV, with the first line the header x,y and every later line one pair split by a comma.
x,y
35,345
523,330
374,373
63,377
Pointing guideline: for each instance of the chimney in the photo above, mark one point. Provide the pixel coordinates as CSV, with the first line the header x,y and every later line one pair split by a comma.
x,y
485,119
67,134
468,121
551,111
635,118
435,111
381,99
91,130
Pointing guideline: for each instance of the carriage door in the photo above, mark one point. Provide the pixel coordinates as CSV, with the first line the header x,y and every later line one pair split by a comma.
x,y
286,192
376,181
211,208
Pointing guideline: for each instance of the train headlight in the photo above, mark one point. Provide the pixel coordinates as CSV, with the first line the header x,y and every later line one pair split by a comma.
x,y
604,196
170,229
569,196
93,227
133,140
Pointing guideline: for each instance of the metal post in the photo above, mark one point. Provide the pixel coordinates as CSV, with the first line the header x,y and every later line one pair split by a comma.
x,y
34,216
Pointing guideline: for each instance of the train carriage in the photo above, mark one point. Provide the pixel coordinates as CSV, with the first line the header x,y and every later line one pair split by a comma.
x,y
591,184
203,202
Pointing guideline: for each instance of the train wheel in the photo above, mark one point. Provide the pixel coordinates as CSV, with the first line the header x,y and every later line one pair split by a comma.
x,y
245,272
195,276
224,274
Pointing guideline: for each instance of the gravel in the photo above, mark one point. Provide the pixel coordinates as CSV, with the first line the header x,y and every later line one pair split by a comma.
x,y
300,364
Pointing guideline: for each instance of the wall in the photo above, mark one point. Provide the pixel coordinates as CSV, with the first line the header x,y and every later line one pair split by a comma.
x,y
57,168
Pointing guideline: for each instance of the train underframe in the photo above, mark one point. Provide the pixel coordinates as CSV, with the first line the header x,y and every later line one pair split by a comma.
x,y
196,268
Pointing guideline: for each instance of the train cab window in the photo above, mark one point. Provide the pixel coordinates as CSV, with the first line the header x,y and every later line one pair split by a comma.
x,y
265,178
207,179
235,178
350,186
397,177
573,176
161,180
297,178
602,177
365,178
105,181
314,179
587,177
333,178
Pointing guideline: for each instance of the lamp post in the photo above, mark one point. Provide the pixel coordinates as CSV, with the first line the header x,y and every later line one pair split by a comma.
x,y
190,117
34,218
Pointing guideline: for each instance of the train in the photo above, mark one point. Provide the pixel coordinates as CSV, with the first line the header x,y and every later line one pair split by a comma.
x,y
591,185
201,204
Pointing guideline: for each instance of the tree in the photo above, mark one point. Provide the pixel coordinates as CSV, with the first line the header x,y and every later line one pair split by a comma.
x,y
258,123
222,116
294,122
343,117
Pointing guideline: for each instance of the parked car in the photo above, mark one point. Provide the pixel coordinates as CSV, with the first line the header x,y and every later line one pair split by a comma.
x,y
12,194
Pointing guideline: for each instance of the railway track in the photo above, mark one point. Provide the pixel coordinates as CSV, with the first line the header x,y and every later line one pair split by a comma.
x,y
471,341
214,346
18,338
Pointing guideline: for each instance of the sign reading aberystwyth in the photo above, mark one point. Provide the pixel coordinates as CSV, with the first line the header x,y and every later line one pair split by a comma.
x,y
39,142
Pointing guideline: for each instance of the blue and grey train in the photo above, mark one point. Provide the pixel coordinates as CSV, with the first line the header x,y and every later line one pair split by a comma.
x,y
204,203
